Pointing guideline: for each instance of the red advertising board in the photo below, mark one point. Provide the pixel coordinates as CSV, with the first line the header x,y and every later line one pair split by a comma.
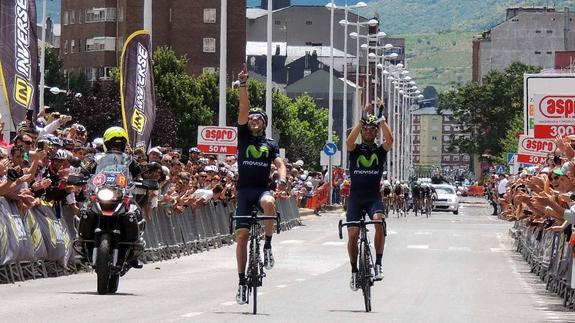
x,y
554,115
218,140
534,150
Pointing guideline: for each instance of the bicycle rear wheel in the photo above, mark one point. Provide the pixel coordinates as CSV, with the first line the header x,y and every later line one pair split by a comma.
x,y
254,273
364,274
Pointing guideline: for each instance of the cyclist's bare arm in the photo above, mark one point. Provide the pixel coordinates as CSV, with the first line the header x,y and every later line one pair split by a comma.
x,y
387,136
244,97
351,139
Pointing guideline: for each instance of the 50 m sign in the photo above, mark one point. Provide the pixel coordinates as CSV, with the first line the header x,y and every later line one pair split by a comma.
x,y
218,140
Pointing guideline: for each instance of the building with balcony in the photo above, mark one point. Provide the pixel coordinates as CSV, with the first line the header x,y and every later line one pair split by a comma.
x,y
94,31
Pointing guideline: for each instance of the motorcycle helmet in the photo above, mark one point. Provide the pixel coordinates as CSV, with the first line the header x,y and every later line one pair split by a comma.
x,y
60,154
115,138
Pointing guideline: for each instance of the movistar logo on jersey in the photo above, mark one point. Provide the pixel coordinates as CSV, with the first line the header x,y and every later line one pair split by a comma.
x,y
366,163
257,153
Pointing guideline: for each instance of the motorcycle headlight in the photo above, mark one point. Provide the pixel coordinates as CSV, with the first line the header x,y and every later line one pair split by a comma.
x,y
105,195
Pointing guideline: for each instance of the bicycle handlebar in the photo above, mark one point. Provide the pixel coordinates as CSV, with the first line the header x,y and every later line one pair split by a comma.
x,y
341,224
277,218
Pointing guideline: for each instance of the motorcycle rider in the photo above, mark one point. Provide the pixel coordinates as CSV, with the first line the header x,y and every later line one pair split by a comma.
x,y
115,141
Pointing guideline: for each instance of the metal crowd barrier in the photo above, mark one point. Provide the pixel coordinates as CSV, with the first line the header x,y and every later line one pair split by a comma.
x,y
550,257
38,244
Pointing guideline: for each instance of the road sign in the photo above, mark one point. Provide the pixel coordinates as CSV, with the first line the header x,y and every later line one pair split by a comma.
x,y
330,149
335,159
510,158
500,169
218,140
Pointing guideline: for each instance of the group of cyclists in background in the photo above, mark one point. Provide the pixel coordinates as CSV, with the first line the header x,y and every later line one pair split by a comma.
x,y
398,199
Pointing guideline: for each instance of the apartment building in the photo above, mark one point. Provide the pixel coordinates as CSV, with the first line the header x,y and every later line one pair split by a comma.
x,y
93,33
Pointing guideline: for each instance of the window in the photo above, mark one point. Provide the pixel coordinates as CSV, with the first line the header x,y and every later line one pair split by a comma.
x,y
465,158
445,138
100,15
455,158
65,19
207,70
549,53
446,158
434,138
209,45
65,46
210,16
120,45
538,31
309,22
446,118
72,46
416,118
537,53
100,44
278,22
549,31
72,17
447,128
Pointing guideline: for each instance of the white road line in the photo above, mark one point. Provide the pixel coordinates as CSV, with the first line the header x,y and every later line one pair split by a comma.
x,y
260,293
292,242
496,249
417,246
230,303
281,286
333,243
192,314
423,233
299,280
391,232
459,249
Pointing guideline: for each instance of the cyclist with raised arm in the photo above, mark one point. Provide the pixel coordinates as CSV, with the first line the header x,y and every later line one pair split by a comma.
x,y
366,161
256,153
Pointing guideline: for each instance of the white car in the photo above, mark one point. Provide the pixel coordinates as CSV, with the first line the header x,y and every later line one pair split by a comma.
x,y
447,199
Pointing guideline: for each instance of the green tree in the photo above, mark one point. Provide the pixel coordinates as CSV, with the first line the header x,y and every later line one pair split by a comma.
x,y
54,77
191,98
487,112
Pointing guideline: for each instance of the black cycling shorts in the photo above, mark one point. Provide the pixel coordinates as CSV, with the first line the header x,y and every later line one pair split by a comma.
x,y
386,191
247,198
357,203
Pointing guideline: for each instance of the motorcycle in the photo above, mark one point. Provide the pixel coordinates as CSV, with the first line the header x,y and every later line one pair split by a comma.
x,y
110,224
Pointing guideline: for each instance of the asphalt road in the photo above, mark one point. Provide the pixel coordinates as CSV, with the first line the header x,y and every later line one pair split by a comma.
x,y
448,268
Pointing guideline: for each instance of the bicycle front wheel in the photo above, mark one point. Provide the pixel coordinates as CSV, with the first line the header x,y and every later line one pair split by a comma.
x,y
365,274
254,273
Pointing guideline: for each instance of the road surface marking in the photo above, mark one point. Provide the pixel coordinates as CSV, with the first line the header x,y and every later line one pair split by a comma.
x,y
230,303
391,232
292,242
333,243
423,233
192,314
459,249
496,249
417,246
281,286
299,280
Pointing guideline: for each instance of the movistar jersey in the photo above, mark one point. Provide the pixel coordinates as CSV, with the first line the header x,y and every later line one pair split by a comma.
x,y
366,167
255,156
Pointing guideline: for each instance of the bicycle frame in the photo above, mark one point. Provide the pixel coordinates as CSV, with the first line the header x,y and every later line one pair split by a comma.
x,y
255,266
365,258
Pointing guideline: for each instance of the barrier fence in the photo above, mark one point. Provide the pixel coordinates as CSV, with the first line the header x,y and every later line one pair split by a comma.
x,y
37,244
476,191
320,197
550,256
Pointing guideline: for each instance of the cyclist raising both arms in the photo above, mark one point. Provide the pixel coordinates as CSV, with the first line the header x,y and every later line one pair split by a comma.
x,y
256,153
366,162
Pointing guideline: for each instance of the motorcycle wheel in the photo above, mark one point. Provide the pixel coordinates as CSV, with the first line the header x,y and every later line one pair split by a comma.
x,y
103,262
113,283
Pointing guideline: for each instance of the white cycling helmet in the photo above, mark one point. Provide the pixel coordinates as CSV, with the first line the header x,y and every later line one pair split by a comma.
x,y
397,183
386,183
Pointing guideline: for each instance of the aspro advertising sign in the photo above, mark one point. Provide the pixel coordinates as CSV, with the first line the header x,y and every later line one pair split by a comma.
x,y
549,105
218,140
534,150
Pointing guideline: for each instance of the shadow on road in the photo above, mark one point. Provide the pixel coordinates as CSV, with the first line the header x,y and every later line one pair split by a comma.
x,y
350,311
241,313
96,294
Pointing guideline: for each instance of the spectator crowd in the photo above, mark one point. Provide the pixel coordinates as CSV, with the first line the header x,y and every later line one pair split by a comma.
x,y
36,163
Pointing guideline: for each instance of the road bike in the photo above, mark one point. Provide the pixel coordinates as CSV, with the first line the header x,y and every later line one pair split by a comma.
x,y
365,274
255,269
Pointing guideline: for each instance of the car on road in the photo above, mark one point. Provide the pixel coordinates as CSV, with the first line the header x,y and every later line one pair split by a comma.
x,y
447,198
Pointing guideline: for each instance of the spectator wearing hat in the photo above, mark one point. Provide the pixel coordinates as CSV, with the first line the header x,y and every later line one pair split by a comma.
x,y
155,155
194,154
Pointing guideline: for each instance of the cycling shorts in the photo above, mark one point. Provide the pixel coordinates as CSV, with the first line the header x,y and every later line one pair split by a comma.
x,y
371,204
247,198
397,191
386,191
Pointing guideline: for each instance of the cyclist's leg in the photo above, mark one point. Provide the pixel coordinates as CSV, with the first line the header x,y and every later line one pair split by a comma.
x,y
352,214
268,204
380,234
245,203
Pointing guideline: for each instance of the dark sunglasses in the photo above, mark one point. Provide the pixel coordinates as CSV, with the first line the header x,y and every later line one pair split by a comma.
x,y
554,178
